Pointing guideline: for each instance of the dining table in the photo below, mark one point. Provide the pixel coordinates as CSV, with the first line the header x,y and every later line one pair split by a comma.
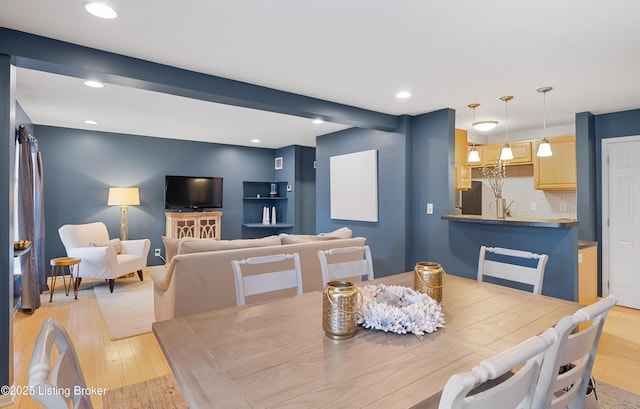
x,y
277,355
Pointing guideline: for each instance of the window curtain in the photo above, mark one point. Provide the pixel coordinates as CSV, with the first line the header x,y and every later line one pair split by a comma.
x,y
31,219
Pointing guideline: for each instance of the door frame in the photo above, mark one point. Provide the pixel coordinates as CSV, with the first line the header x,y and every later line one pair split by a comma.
x,y
605,205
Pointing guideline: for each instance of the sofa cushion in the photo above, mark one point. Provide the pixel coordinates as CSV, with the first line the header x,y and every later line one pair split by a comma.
x,y
115,243
170,247
191,245
341,233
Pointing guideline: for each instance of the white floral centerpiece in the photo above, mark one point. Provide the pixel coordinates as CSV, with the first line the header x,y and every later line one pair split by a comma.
x,y
400,310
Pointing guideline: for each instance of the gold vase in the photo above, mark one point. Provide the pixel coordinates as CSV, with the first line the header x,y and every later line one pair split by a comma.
x,y
339,309
428,278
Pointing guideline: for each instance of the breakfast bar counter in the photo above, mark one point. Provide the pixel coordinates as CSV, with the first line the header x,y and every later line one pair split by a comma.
x,y
512,221
277,355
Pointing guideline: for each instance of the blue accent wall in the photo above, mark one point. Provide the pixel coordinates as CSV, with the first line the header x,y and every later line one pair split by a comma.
x,y
595,128
298,171
7,139
80,166
433,161
386,238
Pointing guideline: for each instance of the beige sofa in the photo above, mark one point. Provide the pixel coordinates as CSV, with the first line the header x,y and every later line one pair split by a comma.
x,y
200,278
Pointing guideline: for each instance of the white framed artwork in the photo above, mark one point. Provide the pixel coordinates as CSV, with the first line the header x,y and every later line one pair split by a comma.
x,y
354,186
278,163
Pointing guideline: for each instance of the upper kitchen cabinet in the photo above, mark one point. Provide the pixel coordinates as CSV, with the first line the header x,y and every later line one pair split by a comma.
x,y
489,154
463,171
557,172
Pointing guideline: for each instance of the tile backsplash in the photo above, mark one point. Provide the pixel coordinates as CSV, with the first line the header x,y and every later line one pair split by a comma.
x,y
518,187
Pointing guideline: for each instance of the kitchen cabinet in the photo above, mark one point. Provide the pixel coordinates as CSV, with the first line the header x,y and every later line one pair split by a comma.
x,y
489,154
587,274
462,169
557,172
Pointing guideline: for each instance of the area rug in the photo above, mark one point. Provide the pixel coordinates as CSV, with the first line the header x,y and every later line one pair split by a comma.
x,y
612,397
128,311
157,393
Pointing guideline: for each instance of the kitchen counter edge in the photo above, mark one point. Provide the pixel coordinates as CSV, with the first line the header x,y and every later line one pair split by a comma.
x,y
512,221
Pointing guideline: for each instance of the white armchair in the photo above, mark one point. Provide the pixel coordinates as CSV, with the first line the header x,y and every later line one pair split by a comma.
x,y
100,256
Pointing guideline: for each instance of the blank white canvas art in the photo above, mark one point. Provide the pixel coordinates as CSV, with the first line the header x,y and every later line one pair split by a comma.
x,y
354,186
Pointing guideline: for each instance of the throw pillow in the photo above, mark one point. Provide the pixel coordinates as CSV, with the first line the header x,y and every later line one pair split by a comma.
x,y
115,243
341,233
202,245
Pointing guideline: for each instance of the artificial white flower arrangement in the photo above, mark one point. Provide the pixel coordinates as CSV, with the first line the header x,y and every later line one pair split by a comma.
x,y
398,309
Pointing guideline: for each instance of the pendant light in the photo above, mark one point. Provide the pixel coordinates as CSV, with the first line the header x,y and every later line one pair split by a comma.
x,y
544,149
506,153
474,155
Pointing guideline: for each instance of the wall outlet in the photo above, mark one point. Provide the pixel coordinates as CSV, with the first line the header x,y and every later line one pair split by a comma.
x,y
563,207
157,253
532,205
429,208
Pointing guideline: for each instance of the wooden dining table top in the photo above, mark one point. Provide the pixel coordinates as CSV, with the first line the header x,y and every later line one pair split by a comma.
x,y
276,354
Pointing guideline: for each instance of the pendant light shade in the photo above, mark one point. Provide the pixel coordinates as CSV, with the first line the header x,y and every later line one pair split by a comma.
x,y
544,148
506,153
474,155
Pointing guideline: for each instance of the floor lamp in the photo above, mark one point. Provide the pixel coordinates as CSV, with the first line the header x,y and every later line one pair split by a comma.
x,y
123,197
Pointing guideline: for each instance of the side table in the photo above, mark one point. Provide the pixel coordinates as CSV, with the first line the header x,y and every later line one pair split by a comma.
x,y
57,268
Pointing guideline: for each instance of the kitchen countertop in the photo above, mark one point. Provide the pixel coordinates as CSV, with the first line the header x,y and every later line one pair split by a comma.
x,y
583,244
512,221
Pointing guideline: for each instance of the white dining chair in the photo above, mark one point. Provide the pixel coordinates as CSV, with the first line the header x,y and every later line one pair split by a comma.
x,y
575,352
268,277
345,262
64,386
505,380
507,265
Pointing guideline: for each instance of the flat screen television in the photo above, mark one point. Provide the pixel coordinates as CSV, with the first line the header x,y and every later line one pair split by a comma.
x,y
192,192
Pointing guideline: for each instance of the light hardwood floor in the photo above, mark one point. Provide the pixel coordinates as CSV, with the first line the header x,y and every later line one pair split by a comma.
x,y
112,364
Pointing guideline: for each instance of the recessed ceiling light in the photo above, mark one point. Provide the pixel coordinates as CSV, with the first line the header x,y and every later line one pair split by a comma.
x,y
255,140
94,84
317,121
100,10
403,95
90,122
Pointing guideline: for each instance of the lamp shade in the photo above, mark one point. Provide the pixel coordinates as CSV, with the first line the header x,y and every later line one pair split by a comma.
x,y
544,149
474,155
123,196
506,153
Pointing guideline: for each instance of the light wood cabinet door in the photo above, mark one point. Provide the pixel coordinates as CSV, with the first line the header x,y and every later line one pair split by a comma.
x,y
588,275
557,172
462,169
490,154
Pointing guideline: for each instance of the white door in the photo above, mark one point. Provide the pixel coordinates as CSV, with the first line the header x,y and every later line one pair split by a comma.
x,y
621,219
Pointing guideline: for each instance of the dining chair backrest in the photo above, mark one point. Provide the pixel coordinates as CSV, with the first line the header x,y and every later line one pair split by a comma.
x,y
512,265
345,262
63,386
269,275
575,351
505,380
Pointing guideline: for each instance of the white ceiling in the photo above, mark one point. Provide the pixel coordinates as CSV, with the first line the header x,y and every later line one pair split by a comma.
x,y
447,53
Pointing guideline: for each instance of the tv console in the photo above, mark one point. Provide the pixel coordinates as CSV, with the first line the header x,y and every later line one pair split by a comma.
x,y
203,225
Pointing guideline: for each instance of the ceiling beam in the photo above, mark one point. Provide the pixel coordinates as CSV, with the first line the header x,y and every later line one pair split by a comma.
x,y
58,57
